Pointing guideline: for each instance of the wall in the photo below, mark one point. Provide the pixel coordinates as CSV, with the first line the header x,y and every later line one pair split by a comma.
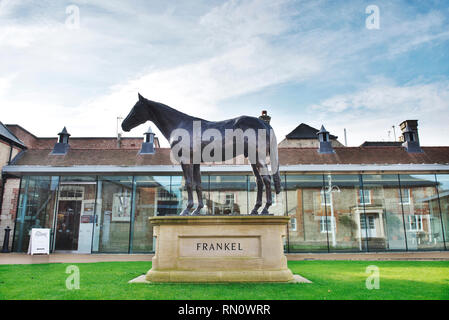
x,y
305,143
33,142
9,208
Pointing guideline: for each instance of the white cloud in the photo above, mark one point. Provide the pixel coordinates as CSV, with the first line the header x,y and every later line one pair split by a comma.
x,y
371,112
194,56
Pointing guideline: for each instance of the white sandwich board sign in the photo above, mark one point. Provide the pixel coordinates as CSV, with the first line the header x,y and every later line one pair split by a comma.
x,y
39,241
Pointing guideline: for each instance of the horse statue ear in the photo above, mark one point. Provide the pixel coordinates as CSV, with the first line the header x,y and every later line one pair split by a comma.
x,y
140,97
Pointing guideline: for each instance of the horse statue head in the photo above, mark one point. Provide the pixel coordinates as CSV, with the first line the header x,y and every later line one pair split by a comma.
x,y
137,116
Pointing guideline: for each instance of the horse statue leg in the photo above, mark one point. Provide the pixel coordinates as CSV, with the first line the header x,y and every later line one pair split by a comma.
x,y
198,187
187,170
267,181
259,183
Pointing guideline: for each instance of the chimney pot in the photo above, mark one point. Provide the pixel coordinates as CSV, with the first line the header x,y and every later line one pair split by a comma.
x,y
265,117
410,136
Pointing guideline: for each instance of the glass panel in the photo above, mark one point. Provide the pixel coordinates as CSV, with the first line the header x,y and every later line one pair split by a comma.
x,y
228,195
75,218
344,210
277,207
36,208
179,194
421,212
113,214
153,197
304,203
386,232
443,192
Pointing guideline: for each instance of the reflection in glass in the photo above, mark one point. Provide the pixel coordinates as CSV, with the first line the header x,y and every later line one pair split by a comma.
x,y
153,198
305,205
179,192
277,207
75,214
228,195
383,225
345,213
113,214
36,208
421,212
443,192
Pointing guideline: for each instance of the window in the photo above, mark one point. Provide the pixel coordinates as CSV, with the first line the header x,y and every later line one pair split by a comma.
x,y
415,223
325,198
229,199
364,196
163,193
326,224
293,224
405,196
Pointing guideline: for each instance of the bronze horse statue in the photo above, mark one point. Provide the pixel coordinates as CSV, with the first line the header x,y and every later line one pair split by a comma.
x,y
169,120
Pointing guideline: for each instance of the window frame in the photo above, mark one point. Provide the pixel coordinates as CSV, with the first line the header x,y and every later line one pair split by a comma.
x,y
409,196
362,200
327,225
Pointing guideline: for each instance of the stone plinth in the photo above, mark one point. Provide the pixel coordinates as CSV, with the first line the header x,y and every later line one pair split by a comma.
x,y
219,249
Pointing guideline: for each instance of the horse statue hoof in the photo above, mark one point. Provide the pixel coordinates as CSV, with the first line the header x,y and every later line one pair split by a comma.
x,y
254,213
185,213
264,212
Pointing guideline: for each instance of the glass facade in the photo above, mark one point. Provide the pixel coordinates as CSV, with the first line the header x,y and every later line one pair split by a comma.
x,y
328,212
35,209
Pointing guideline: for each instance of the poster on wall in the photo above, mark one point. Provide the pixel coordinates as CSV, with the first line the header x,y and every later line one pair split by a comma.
x,y
39,241
121,207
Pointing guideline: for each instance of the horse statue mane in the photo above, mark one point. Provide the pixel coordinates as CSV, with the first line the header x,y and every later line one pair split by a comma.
x,y
200,140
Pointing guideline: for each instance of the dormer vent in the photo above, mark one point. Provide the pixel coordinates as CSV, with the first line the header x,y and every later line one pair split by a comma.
x,y
148,143
62,146
325,143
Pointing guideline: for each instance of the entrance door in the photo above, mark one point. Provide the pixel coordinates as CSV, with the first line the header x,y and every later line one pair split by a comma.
x,y
368,227
67,225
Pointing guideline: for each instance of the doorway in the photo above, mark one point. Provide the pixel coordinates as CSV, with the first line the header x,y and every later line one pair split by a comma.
x,y
67,225
368,225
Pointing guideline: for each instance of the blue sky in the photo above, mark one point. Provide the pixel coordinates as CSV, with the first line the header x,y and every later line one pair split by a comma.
x,y
304,61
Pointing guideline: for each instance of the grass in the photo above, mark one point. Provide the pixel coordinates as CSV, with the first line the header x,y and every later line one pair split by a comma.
x,y
331,280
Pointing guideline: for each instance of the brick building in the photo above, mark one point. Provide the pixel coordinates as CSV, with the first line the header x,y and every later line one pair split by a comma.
x,y
97,193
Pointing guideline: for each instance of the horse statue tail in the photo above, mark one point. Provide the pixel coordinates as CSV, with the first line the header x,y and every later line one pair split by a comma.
x,y
274,159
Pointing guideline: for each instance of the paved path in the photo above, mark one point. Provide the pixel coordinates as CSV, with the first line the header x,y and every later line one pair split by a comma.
x,y
20,258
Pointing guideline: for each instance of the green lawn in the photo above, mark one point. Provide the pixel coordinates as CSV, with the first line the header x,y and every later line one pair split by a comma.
x,y
331,280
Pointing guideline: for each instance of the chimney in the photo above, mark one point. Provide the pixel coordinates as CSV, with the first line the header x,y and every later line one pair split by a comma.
x,y
148,143
265,117
325,143
413,125
410,137
62,146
